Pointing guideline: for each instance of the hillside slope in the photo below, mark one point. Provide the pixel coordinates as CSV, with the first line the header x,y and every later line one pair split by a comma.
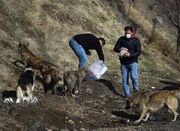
x,y
49,24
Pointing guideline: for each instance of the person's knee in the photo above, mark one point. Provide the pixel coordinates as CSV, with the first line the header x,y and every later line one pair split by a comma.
x,y
83,60
134,76
82,63
70,43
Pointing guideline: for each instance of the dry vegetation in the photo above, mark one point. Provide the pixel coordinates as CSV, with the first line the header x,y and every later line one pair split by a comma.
x,y
49,24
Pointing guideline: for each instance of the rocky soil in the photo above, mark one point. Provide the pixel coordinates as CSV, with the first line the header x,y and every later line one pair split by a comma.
x,y
99,106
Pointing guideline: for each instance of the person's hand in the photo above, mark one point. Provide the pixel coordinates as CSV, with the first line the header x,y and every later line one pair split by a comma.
x,y
88,53
124,48
123,51
127,54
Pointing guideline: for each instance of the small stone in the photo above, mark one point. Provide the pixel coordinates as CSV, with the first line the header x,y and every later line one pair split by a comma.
x,y
153,87
82,129
113,116
71,121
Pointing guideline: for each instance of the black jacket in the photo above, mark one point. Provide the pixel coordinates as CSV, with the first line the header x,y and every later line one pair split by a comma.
x,y
89,42
134,48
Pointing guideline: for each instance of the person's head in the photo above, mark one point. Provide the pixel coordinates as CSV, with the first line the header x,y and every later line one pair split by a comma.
x,y
102,41
128,31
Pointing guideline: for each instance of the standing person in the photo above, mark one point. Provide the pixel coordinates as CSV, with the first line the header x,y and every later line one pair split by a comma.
x,y
131,46
83,43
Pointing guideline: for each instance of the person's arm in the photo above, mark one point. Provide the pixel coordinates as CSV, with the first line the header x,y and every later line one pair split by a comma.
x,y
100,53
117,46
137,49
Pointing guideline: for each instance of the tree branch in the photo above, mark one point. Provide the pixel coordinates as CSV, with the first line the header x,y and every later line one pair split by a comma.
x,y
169,15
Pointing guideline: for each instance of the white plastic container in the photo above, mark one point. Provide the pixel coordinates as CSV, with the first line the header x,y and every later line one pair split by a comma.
x,y
96,70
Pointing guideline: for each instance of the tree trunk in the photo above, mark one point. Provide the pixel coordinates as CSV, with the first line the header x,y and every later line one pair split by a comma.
x,y
178,47
178,27
178,42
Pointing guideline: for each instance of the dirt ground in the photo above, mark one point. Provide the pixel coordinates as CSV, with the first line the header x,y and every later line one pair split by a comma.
x,y
100,106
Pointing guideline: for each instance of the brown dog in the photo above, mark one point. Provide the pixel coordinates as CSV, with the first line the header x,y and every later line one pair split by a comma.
x,y
152,102
73,80
50,74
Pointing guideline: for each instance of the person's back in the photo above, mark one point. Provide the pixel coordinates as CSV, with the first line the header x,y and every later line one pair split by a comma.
x,y
83,43
88,41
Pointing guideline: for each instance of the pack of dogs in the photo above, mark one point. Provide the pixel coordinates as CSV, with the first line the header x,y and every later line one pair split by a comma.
x,y
50,75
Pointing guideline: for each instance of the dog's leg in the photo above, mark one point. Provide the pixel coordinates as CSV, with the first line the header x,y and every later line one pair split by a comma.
x,y
45,87
19,94
173,105
48,78
31,91
174,112
175,115
52,86
32,88
76,87
143,113
147,116
70,88
79,83
28,91
29,94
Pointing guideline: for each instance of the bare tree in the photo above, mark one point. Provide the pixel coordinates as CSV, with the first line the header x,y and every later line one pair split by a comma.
x,y
172,8
153,35
130,3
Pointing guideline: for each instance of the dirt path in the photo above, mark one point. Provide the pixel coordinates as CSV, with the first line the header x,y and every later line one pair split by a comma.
x,y
100,106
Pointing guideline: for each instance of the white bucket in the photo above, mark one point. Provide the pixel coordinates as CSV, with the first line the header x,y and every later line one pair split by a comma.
x,y
96,70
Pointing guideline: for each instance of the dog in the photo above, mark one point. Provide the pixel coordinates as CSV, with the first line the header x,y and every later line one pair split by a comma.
x,y
73,80
152,102
49,76
25,85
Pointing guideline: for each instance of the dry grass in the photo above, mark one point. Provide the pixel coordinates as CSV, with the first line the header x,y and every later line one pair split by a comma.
x,y
49,24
